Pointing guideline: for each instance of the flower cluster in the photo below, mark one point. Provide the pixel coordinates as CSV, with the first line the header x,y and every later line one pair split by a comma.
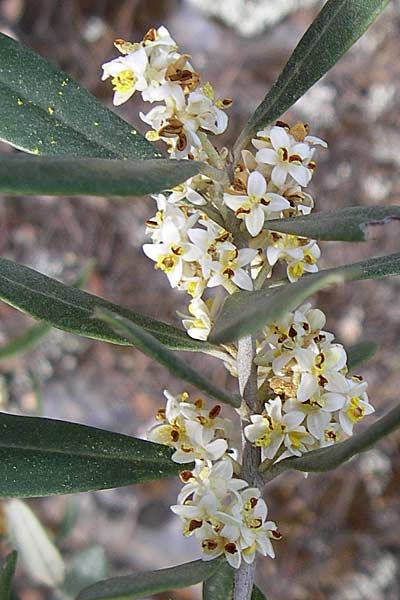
x,y
313,403
216,231
191,241
224,514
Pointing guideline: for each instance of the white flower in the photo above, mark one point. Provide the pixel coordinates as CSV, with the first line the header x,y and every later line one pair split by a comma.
x,y
172,251
212,242
273,429
287,157
300,254
186,193
199,323
128,74
257,205
356,405
207,477
319,367
317,410
230,268
191,430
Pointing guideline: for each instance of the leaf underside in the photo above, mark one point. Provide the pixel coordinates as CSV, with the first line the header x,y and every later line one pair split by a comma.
x,y
346,224
140,584
245,313
57,176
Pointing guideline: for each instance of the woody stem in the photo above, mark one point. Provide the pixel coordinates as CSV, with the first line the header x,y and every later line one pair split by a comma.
x,y
247,375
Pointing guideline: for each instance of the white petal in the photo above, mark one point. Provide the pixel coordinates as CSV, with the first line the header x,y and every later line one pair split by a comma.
x,y
266,155
243,280
317,423
245,256
256,184
277,202
300,174
279,138
279,174
255,220
307,388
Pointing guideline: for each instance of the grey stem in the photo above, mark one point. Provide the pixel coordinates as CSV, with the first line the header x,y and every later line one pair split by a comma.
x,y
247,374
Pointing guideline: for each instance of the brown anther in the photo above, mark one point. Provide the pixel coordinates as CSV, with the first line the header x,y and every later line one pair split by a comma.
x,y
194,524
229,273
264,201
186,449
253,502
199,402
174,435
150,36
242,211
275,236
306,327
182,142
185,476
292,332
320,359
231,548
285,154
357,412
202,420
357,377
282,387
152,224
214,412
282,124
311,165
295,158
177,250
226,102
276,534
209,544
322,380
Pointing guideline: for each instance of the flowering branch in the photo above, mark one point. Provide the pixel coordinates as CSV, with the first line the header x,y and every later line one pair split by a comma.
x,y
326,459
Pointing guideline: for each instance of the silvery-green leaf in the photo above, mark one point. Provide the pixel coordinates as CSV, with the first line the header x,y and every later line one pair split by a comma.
x,y
71,176
345,224
7,568
339,24
245,313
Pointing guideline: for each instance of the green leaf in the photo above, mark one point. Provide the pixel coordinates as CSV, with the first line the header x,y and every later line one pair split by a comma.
x,y
337,27
360,353
245,313
220,585
34,335
7,569
140,584
43,457
71,310
44,111
58,176
150,346
346,224
326,459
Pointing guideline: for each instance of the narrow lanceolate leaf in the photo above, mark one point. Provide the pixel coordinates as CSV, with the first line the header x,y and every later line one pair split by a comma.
x,y
220,585
326,459
360,353
150,346
66,458
141,584
57,176
7,568
245,313
44,111
347,224
71,310
32,336
339,24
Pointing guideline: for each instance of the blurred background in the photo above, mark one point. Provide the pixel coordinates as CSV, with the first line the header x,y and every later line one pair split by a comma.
x,y
341,531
